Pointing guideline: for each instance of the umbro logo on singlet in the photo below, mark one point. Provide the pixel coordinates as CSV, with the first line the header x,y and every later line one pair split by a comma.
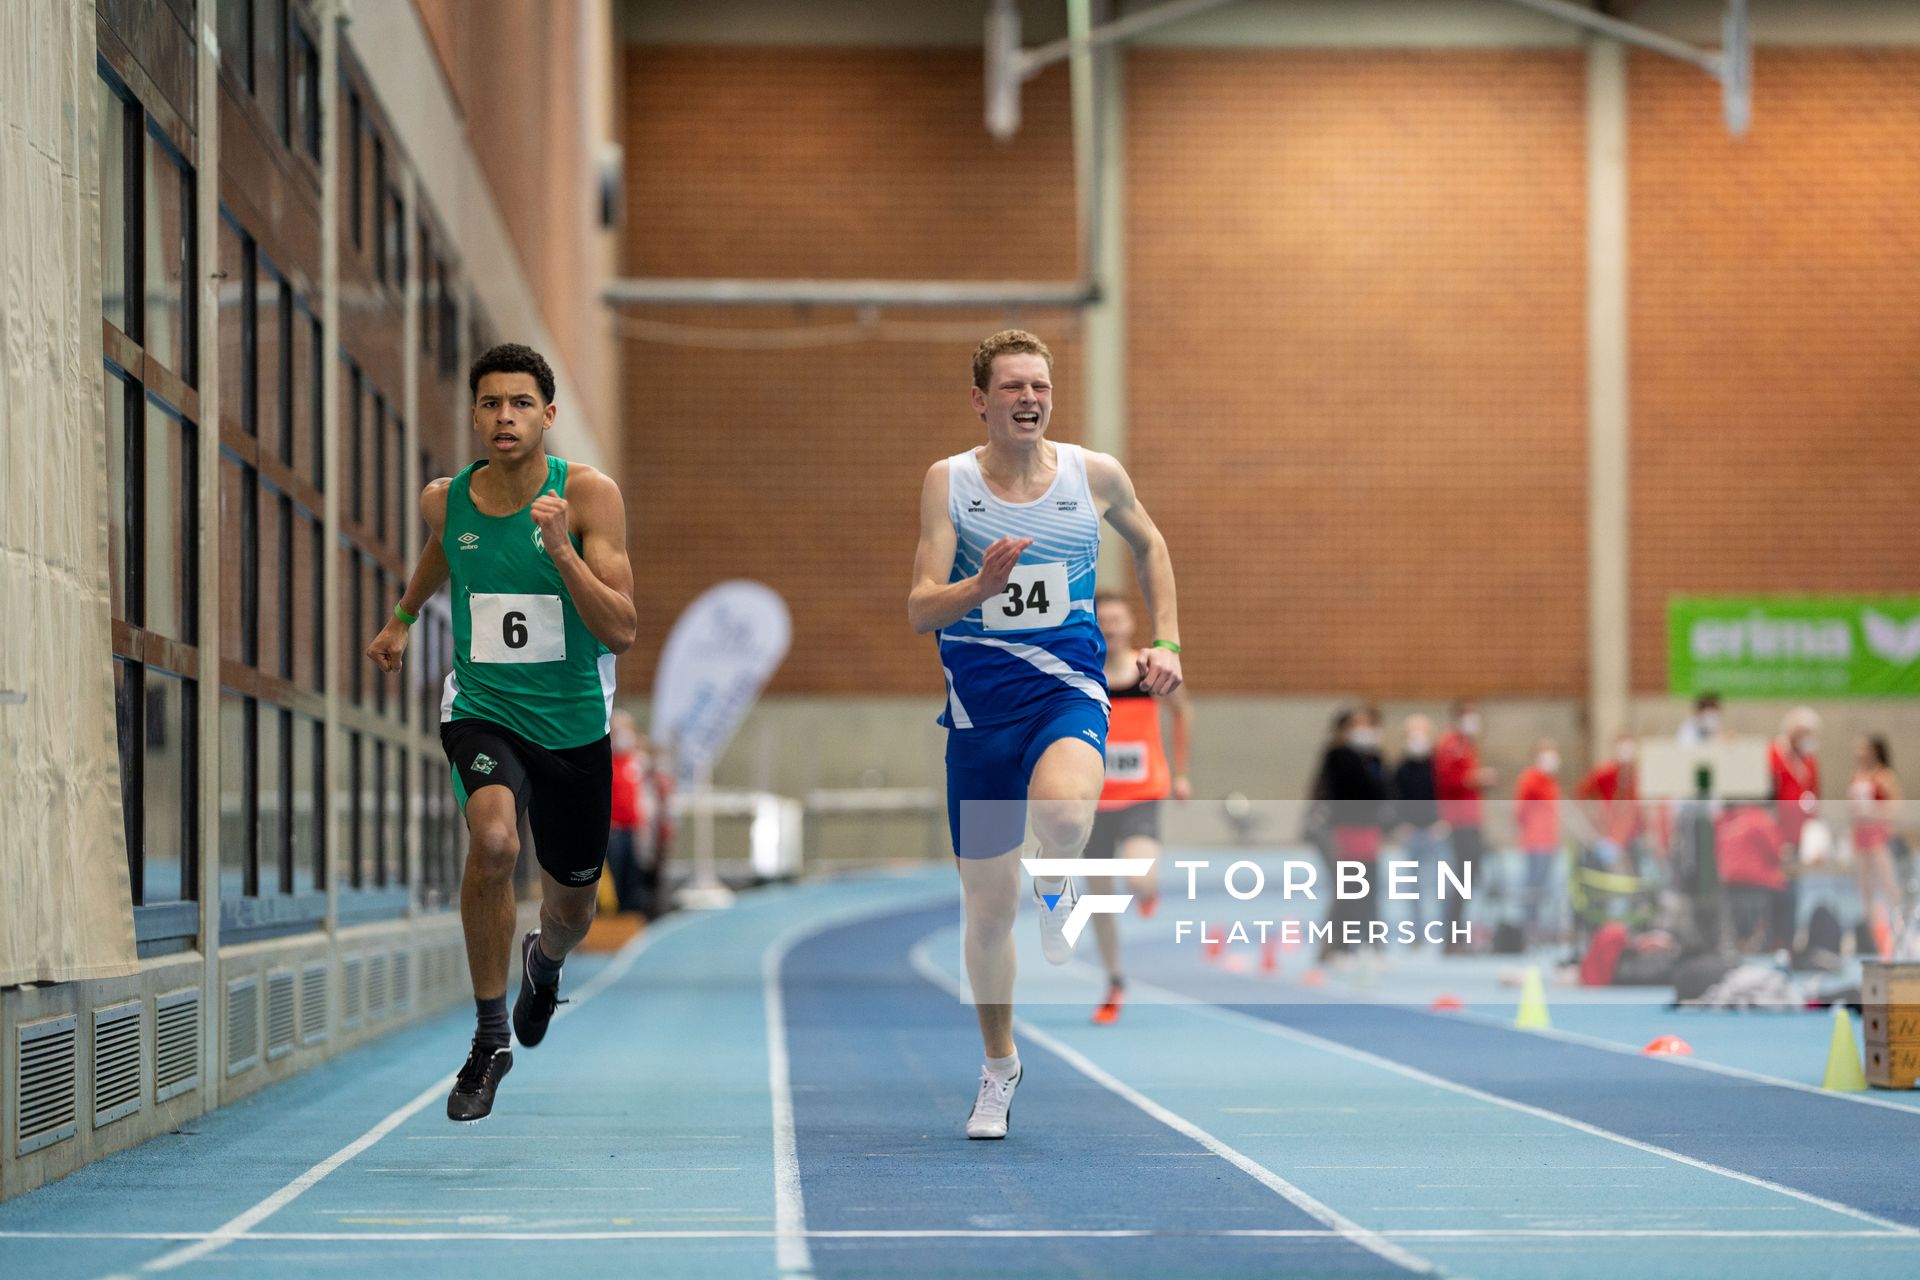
x,y
468,541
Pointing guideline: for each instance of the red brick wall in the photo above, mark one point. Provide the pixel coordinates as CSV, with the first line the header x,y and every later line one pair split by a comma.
x,y
1775,334
1358,365
802,467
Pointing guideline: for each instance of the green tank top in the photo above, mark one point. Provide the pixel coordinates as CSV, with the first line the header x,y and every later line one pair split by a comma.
x,y
522,657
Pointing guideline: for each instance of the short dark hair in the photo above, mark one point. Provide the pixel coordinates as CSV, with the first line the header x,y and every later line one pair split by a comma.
x,y
1877,744
512,357
1708,701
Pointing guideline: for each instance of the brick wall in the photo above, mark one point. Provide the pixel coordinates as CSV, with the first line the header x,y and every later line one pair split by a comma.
x,y
802,467
1776,334
1357,345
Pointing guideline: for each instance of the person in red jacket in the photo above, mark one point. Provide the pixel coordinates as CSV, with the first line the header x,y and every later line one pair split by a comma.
x,y
1611,792
1751,849
1793,760
1536,814
624,852
1459,780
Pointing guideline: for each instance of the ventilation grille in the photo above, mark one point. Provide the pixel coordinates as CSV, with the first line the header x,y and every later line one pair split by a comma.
x,y
176,1044
403,980
116,1062
48,1069
377,986
243,1024
352,979
279,1014
313,1004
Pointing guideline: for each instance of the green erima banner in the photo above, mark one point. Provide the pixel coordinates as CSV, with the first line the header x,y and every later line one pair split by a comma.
x,y
1795,647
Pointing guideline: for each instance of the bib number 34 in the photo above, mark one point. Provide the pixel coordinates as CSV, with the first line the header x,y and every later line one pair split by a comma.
x,y
1036,596
517,628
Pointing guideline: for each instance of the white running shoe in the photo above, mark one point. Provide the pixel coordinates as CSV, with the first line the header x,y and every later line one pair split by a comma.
x,y
994,1107
1053,921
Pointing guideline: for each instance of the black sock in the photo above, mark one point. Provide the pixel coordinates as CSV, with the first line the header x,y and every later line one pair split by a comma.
x,y
492,1031
540,970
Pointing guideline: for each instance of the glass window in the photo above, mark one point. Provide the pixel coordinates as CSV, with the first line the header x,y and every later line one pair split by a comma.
x,y
270,65
379,432
309,546
238,797
271,323
270,781
236,39
302,403
376,802
379,177
428,298
355,184
167,785
399,486
237,355
397,236
356,437
272,574
168,336
236,542
115,216
303,95
316,361
129,682
114,391
352,643
288,585
171,505
309,791
396,809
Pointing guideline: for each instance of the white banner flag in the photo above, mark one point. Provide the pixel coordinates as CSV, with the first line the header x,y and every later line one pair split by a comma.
x,y
719,656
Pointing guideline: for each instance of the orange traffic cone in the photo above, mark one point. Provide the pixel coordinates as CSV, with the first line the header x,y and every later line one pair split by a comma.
x,y
1661,1046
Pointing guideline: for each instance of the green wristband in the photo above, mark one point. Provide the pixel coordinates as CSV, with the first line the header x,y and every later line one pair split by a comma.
x,y
404,616
1164,644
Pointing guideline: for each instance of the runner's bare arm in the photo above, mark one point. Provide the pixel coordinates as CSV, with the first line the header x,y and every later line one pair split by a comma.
x,y
1113,489
933,602
599,576
429,575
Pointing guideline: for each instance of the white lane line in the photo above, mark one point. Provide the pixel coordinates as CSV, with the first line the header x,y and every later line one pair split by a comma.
x,y
242,1223
1697,1064
1489,1234
791,1255
1372,1241
1414,1073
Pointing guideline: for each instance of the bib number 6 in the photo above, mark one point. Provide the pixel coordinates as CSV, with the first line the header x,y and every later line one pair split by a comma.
x,y
517,628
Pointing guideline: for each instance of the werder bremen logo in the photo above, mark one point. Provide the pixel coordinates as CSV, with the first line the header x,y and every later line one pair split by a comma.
x,y
1898,643
484,763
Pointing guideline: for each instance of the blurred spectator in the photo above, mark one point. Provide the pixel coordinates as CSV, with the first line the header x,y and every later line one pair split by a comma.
x,y
1536,810
660,779
1356,789
1611,794
1418,816
629,813
1873,796
1459,781
1751,851
1793,760
1704,725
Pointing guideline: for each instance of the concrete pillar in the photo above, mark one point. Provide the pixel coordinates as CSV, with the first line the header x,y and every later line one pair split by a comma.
x,y
1607,390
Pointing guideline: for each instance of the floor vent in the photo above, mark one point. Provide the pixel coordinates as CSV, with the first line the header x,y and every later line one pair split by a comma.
x,y
243,1024
176,1043
313,1003
49,1068
353,979
279,1014
116,1062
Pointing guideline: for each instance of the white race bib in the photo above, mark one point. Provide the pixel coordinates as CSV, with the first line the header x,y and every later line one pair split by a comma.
x,y
1126,761
1035,598
509,628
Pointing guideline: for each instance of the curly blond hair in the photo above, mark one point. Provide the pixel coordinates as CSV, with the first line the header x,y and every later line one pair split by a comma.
x,y
1007,342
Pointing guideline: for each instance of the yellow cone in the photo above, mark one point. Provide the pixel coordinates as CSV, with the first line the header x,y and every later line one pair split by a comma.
x,y
1844,1074
1533,1004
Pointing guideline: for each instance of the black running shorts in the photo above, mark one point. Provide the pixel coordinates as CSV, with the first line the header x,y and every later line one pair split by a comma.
x,y
567,795
1114,827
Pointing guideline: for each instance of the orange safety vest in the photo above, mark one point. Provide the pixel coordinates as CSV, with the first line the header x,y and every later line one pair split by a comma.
x,y
1136,761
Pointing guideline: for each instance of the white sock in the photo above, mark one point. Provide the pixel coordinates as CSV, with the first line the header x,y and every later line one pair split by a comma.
x,y
1057,884
1004,1068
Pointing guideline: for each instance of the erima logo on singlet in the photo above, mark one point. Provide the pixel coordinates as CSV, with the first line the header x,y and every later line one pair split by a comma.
x,y
976,505
468,541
